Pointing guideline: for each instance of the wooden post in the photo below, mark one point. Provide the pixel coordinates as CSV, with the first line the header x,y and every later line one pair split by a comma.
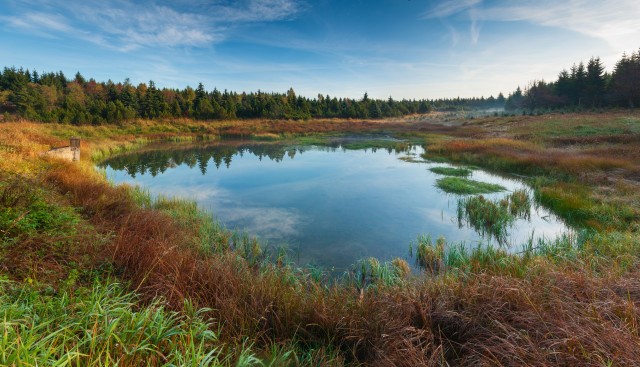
x,y
74,144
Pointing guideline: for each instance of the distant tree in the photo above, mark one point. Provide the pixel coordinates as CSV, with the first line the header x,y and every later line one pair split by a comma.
x,y
564,86
424,107
514,101
80,79
595,82
625,80
374,110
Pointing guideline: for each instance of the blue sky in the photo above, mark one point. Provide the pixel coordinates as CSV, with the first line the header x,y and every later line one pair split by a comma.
x,y
400,48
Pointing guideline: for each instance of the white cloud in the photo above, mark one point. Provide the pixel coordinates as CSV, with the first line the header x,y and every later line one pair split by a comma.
x,y
615,22
258,10
270,224
127,25
448,8
132,26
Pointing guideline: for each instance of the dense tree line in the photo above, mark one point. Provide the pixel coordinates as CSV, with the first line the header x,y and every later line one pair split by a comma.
x,y
52,97
583,86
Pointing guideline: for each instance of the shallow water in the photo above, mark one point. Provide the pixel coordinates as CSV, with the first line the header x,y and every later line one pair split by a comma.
x,y
329,206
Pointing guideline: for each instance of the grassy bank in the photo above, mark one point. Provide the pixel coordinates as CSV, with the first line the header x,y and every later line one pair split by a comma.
x,y
573,301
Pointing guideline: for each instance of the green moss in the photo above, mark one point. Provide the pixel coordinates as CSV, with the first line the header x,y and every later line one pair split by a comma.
x,y
464,186
451,171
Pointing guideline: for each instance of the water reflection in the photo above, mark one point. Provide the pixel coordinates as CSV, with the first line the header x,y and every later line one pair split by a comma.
x,y
157,161
328,204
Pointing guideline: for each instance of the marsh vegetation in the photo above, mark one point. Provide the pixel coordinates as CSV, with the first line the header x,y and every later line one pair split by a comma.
x,y
223,301
451,171
464,186
301,198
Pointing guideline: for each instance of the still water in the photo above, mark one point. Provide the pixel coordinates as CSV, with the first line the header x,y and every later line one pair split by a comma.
x,y
329,206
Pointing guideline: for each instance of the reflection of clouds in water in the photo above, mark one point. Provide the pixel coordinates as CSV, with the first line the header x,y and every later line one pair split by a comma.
x,y
335,208
204,192
268,223
434,215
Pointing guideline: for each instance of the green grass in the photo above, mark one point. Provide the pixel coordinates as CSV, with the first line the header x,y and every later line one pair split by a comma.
x,y
587,127
105,325
519,204
377,144
412,160
102,326
28,211
485,216
451,171
464,186
311,140
430,255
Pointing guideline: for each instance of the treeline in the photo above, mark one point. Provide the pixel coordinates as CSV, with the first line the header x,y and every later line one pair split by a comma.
x,y
52,97
583,86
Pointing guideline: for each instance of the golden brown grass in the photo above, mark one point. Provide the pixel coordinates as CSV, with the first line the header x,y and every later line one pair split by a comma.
x,y
551,316
560,310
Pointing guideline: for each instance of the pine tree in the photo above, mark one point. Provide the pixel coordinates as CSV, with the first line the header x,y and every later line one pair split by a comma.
x,y
594,83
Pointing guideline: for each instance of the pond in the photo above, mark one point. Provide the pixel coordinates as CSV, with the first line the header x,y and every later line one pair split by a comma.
x,y
330,206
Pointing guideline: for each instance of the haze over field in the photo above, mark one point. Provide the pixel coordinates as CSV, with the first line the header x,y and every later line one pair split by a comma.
x,y
407,49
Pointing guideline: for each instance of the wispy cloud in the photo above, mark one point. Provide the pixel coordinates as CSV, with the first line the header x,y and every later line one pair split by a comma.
x,y
127,25
257,11
475,26
272,224
615,22
453,7
448,8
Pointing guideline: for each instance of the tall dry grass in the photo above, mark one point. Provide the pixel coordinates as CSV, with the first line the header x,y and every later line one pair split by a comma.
x,y
577,311
551,316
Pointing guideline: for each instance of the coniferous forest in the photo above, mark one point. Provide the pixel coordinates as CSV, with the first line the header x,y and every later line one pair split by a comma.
x,y
589,86
52,97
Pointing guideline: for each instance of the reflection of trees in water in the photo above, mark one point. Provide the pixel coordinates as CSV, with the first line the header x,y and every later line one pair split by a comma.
x,y
158,161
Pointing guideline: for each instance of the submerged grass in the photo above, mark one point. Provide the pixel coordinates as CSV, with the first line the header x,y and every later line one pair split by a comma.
x,y
451,171
464,186
486,216
493,218
430,255
519,204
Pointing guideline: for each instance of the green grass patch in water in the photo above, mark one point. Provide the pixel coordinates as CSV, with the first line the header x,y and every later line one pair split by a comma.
x,y
485,216
430,255
451,171
377,144
465,186
519,204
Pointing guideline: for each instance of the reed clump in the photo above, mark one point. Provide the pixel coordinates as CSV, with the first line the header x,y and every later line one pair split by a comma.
x,y
485,216
519,204
430,255
401,266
